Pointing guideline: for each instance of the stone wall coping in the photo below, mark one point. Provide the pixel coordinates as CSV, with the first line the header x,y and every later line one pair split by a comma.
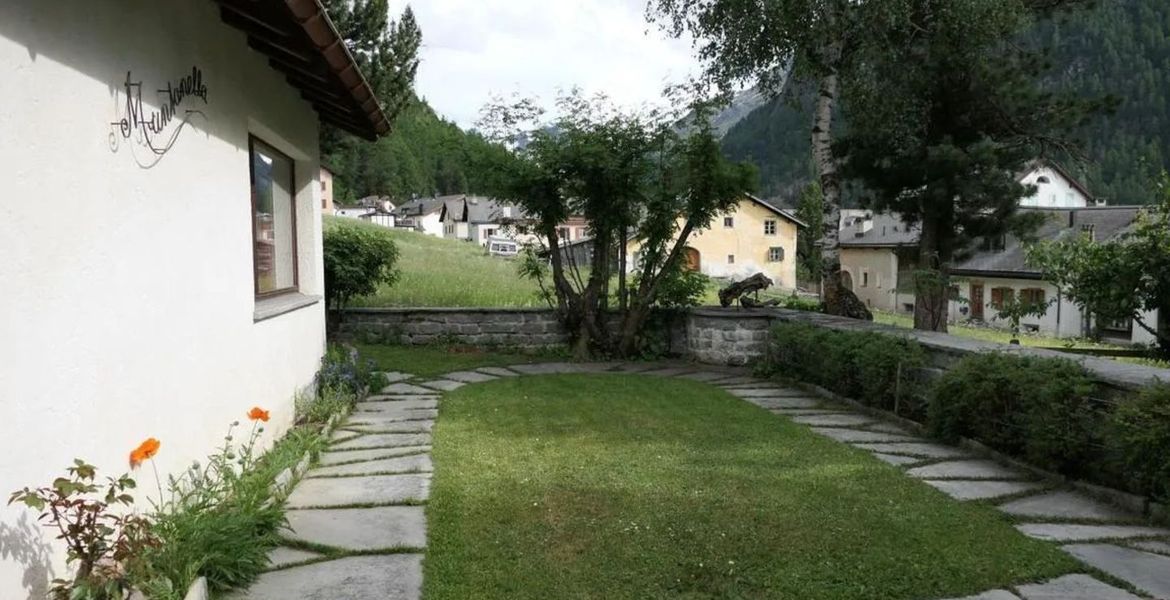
x,y
440,310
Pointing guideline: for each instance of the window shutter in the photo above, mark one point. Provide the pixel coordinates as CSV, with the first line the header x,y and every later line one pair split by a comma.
x,y
997,297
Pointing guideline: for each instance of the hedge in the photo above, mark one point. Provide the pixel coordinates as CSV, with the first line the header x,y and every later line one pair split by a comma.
x,y
1045,411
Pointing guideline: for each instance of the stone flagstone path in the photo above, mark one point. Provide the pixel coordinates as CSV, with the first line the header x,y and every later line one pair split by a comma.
x,y
357,528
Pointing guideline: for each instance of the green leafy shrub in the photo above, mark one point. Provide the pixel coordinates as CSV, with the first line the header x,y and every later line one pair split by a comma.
x,y
1141,439
678,287
795,302
342,369
358,258
1039,409
867,366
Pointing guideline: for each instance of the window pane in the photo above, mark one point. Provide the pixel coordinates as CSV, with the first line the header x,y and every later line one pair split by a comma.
x,y
275,255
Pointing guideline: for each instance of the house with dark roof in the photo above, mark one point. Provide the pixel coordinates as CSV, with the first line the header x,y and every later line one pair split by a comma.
x,y
186,136
879,254
478,219
421,215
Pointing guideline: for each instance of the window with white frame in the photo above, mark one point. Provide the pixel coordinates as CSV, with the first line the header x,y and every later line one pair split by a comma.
x,y
770,227
274,220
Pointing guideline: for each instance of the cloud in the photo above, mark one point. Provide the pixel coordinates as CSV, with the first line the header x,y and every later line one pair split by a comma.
x,y
473,49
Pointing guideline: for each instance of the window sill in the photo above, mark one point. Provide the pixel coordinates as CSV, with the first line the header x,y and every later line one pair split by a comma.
x,y
267,308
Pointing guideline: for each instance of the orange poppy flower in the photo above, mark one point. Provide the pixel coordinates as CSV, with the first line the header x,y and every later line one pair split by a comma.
x,y
145,451
258,414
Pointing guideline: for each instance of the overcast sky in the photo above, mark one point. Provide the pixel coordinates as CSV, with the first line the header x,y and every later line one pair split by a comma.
x,y
475,48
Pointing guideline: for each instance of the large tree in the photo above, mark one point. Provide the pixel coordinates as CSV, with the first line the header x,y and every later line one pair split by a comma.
x,y
766,42
945,110
627,174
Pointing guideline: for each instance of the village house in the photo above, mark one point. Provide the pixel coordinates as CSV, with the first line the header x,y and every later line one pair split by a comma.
x,y
185,288
879,254
326,177
478,219
422,215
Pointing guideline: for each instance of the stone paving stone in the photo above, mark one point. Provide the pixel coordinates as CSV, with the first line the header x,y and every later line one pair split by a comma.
x,y
912,449
546,368
669,371
336,458
992,595
741,380
1147,572
896,459
839,420
384,577
770,403
635,367
341,435
384,440
595,367
498,371
379,528
887,427
375,489
803,412
1064,505
395,376
706,376
857,435
397,464
966,469
376,418
400,397
402,407
1073,587
407,388
418,426
1067,532
960,489
282,556
1153,546
443,384
769,393
469,377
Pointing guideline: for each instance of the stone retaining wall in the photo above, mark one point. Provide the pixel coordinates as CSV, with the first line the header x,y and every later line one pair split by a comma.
x,y
725,336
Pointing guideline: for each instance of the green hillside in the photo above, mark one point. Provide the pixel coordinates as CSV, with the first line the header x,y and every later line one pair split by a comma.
x,y
1118,47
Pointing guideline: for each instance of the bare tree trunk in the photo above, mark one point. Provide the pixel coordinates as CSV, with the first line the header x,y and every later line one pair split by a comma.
x,y
931,280
822,150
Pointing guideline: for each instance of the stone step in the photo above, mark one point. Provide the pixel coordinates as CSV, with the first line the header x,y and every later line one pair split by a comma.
x,y
469,377
384,440
981,490
346,456
360,529
445,385
1072,532
912,449
857,435
399,464
967,469
407,388
381,577
351,491
1073,587
1063,505
1147,572
839,420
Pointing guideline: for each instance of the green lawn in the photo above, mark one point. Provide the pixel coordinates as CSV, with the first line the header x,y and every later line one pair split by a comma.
x,y
429,361
444,272
620,486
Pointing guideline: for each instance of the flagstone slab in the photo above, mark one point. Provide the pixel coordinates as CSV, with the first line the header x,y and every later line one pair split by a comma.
x,y
785,402
445,385
1064,505
283,556
991,595
1069,532
961,489
966,469
375,418
887,427
769,393
838,420
705,376
738,381
797,412
1154,546
376,489
384,440
407,388
912,449
469,376
635,367
857,435
395,376
399,464
1147,572
896,459
401,397
669,371
382,577
401,407
415,426
546,368
1073,587
336,458
498,371
378,528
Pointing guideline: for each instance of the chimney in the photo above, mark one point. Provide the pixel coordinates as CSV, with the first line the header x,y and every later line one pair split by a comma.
x,y
863,224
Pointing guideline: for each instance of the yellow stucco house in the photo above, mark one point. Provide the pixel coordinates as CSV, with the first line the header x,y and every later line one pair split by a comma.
x,y
754,237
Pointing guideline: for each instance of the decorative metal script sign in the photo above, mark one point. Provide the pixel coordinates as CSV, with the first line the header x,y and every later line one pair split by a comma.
x,y
156,129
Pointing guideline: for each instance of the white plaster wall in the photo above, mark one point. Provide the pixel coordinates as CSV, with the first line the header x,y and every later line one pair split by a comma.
x,y
1058,193
1062,319
430,224
127,310
882,266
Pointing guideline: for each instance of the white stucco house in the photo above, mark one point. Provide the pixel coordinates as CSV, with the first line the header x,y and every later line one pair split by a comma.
x,y
185,288
423,215
479,219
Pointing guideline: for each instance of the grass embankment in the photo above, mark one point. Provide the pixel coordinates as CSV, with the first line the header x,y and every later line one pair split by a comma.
x,y
429,361
445,272
612,486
